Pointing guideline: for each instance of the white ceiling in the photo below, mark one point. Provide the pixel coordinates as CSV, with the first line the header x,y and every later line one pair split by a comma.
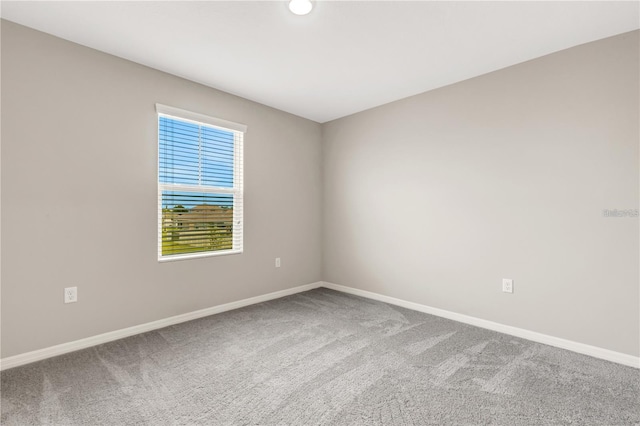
x,y
344,57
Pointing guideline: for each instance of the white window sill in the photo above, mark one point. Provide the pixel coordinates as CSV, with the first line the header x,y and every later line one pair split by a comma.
x,y
171,258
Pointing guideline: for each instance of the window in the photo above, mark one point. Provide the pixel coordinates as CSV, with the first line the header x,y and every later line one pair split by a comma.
x,y
199,185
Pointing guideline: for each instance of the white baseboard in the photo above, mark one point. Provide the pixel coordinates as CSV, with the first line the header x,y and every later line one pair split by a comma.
x,y
582,348
40,354
594,351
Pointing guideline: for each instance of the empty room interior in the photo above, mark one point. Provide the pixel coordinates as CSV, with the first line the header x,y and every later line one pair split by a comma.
x,y
320,213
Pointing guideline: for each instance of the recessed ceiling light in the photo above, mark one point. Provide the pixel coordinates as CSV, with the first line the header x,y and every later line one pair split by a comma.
x,y
300,7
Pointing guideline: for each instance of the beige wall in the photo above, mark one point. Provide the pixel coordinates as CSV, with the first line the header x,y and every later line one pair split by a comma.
x,y
79,196
435,198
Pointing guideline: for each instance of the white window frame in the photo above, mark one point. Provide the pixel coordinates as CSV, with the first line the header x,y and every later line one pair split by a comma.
x,y
238,187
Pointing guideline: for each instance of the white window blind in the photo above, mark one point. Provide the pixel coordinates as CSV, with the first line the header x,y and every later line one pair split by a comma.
x,y
200,189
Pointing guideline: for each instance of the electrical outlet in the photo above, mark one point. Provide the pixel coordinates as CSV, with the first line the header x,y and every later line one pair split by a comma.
x,y
70,294
507,285
277,262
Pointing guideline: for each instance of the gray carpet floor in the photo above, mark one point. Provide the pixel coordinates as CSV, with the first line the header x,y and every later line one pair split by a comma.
x,y
321,358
